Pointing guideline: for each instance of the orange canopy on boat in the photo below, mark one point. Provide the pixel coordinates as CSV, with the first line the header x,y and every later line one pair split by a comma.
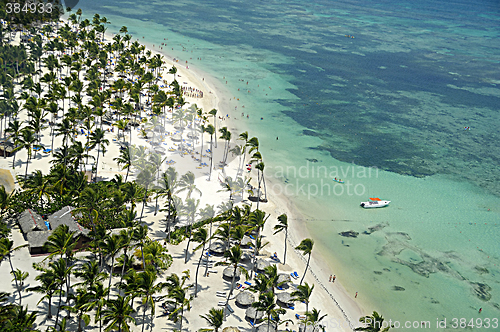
x,y
375,199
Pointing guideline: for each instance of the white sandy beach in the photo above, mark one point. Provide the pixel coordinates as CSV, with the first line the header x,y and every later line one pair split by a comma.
x,y
330,298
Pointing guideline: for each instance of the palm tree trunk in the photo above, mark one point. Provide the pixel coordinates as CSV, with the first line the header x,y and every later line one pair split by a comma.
x,y
111,274
189,241
211,157
59,307
307,265
97,164
26,172
284,256
15,278
197,268
232,288
143,318
143,202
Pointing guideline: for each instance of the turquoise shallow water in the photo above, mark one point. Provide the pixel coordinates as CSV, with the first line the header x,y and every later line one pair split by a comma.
x,y
397,96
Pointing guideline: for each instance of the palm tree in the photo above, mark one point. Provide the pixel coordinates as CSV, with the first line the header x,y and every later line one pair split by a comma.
x,y
90,273
6,249
112,244
186,183
282,226
303,293
97,139
374,323
226,135
61,273
47,287
125,160
233,257
145,179
117,314
61,242
97,301
178,295
268,305
211,130
214,318
213,113
313,319
200,236
80,307
306,246
28,142
173,70
15,130
147,287
257,219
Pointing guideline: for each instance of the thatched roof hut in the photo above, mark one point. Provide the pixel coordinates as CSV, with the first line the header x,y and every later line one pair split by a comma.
x,y
253,313
284,277
245,298
267,327
217,247
284,297
262,264
231,329
30,221
247,241
36,240
64,217
229,271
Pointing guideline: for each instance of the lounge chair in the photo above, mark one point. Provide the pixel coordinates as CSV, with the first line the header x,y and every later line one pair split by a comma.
x,y
248,283
300,316
293,276
221,303
291,307
212,271
221,294
231,310
296,274
238,286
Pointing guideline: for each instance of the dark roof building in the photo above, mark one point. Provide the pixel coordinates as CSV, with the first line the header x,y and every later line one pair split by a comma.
x,y
36,240
30,221
65,217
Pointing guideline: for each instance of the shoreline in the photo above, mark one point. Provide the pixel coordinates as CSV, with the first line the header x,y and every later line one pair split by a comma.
x,y
350,310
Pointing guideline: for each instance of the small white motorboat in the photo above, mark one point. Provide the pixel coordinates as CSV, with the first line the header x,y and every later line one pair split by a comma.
x,y
374,203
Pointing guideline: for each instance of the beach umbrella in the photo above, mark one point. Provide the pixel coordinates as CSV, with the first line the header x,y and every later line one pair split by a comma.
x,y
262,264
267,328
245,298
176,137
217,247
228,272
253,313
247,256
231,329
247,241
284,298
284,277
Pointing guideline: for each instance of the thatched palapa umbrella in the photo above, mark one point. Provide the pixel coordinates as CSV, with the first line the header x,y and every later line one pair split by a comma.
x,y
245,298
267,328
284,277
252,313
228,272
247,241
262,264
284,298
217,247
231,329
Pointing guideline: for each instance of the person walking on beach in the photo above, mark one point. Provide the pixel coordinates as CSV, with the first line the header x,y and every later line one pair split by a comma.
x,y
330,278
480,309
356,296
333,279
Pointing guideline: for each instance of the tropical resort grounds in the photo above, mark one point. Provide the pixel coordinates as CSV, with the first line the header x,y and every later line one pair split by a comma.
x,y
129,204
